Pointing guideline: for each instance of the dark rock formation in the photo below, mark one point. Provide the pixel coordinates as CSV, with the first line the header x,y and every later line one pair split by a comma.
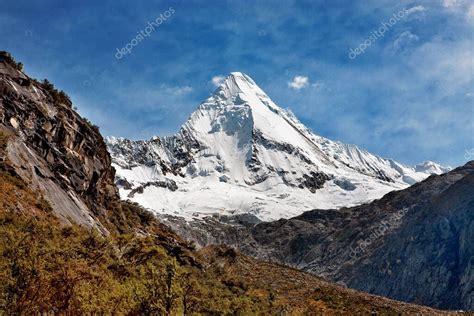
x,y
170,184
345,184
314,181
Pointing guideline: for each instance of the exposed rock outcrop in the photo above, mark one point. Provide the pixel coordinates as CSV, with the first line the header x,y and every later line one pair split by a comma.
x,y
54,148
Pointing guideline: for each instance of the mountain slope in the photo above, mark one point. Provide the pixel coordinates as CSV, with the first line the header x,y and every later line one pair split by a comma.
x,y
241,153
414,245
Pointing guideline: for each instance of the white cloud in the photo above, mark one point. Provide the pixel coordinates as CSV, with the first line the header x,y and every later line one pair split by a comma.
x,y
415,9
217,80
299,82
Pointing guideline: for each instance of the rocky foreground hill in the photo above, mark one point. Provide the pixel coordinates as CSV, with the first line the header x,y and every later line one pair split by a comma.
x,y
70,246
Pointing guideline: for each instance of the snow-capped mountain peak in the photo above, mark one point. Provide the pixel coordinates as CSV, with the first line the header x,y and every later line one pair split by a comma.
x,y
240,98
239,152
236,84
239,107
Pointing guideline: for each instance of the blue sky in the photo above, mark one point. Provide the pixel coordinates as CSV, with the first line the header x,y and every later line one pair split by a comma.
x,y
407,96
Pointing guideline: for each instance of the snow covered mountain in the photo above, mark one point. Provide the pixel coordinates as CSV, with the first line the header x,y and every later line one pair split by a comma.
x,y
239,153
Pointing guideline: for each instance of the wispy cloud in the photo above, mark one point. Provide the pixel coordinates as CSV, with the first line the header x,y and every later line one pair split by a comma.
x,y
415,9
404,40
416,12
463,8
179,90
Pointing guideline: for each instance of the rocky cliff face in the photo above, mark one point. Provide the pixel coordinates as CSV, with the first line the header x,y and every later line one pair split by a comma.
x,y
429,259
53,148
415,245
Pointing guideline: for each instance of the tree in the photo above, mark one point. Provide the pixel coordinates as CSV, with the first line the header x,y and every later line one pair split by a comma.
x,y
191,292
172,291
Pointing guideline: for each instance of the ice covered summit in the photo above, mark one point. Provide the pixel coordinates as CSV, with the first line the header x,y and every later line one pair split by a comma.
x,y
241,153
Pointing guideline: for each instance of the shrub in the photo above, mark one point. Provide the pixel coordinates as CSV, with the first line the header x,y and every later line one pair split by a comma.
x,y
5,56
59,96
45,268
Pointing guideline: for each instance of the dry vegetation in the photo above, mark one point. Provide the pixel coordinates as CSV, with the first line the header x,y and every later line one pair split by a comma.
x,y
298,293
48,268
